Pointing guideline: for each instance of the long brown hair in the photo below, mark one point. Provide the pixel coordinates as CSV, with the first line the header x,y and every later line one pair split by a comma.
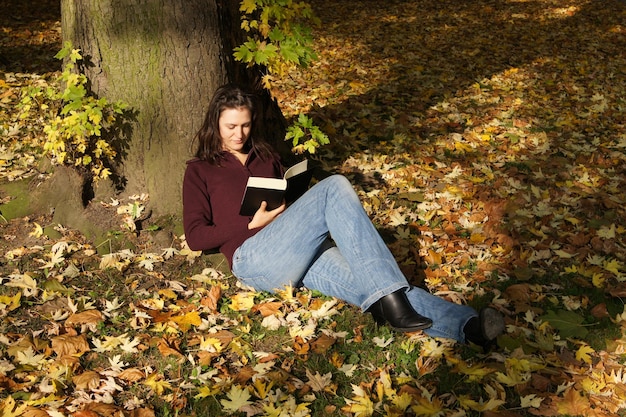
x,y
209,140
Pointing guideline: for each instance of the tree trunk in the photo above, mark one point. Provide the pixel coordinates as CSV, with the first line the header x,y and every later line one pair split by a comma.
x,y
165,58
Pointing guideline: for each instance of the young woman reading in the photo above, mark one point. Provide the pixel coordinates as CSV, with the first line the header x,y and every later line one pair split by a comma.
x,y
290,245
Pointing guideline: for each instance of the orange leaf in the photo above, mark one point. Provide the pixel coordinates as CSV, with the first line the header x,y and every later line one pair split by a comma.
x,y
574,404
211,300
166,349
269,308
433,258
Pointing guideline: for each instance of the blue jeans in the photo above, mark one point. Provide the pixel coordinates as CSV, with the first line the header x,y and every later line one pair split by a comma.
x,y
359,268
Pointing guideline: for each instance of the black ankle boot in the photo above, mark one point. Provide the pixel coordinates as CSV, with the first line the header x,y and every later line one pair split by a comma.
x,y
484,329
396,309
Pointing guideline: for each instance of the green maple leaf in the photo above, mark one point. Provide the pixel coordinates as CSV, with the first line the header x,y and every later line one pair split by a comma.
x,y
568,323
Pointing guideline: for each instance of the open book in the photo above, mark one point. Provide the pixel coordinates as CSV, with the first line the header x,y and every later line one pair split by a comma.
x,y
294,183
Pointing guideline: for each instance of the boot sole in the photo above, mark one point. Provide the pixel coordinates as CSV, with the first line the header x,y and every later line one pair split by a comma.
x,y
491,323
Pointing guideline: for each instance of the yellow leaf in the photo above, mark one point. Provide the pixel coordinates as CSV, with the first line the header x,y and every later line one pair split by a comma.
x,y
37,232
512,378
237,398
10,303
9,409
598,280
474,372
206,391
530,400
242,301
156,382
187,320
477,238
426,407
210,344
360,406
607,232
613,266
584,353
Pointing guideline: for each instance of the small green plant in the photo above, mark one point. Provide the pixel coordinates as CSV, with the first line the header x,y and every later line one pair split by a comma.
x,y
305,136
77,126
279,39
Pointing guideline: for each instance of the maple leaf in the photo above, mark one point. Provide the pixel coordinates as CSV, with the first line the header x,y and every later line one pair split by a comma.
x,y
206,391
531,401
5,366
474,372
237,399
187,320
157,383
130,346
382,342
583,354
9,408
29,357
210,344
242,301
318,382
467,403
8,303
326,310
574,404
513,377
429,407
24,281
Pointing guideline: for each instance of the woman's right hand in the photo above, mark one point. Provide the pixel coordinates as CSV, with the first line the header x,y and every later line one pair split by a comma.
x,y
263,217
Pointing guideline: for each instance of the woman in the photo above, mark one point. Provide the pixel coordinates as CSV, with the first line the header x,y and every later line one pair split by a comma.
x,y
290,246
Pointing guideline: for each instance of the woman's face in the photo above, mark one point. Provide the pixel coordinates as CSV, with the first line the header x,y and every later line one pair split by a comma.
x,y
235,125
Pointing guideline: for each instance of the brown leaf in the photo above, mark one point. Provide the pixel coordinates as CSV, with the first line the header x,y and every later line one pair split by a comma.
x,y
322,343
88,380
618,290
35,412
244,375
518,293
70,345
166,349
600,311
141,412
88,317
211,300
131,375
104,410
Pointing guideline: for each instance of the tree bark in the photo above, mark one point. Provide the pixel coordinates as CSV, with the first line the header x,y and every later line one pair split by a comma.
x,y
165,58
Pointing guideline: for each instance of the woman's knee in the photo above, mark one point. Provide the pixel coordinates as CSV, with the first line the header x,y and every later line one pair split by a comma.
x,y
339,182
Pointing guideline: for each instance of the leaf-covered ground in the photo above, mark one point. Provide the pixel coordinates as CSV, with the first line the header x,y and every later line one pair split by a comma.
x,y
486,140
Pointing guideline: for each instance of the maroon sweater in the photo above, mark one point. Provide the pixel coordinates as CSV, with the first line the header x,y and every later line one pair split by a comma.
x,y
212,197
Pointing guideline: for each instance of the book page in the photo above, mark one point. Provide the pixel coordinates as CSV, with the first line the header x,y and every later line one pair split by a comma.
x,y
298,168
270,183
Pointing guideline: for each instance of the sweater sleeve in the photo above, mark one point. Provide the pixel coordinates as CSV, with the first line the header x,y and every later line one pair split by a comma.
x,y
201,232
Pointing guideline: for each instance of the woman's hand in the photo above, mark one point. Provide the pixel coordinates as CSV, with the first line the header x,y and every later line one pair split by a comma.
x,y
262,217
